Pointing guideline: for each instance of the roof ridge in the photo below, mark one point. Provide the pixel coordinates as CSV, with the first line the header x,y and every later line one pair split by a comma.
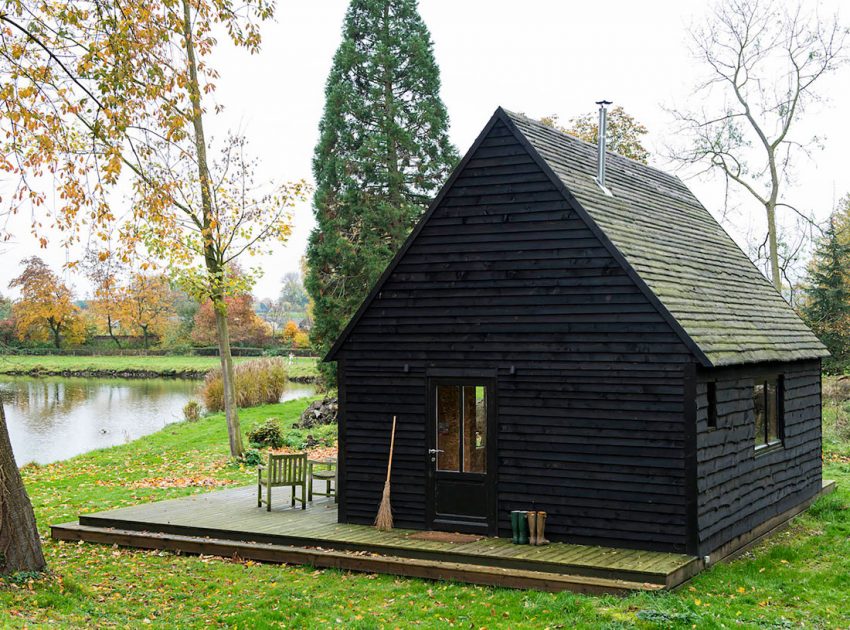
x,y
645,223
537,123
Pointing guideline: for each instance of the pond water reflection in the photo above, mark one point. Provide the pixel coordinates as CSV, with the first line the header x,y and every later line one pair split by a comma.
x,y
56,418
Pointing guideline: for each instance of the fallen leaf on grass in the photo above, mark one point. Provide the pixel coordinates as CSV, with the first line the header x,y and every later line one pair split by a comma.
x,y
172,482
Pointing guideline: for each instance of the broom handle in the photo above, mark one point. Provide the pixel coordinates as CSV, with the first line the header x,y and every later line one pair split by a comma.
x,y
392,446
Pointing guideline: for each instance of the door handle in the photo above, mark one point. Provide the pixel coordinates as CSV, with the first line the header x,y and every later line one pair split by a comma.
x,y
434,451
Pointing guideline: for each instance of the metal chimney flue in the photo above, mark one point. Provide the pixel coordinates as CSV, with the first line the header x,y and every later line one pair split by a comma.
x,y
601,143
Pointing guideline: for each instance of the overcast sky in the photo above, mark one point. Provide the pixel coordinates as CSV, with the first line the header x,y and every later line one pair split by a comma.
x,y
538,57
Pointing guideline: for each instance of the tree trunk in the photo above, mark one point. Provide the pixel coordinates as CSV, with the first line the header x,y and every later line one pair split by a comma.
x,y
20,546
227,378
144,336
772,245
57,339
111,333
214,263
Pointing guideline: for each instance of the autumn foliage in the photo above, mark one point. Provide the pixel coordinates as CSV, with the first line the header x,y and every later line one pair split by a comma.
x,y
290,331
246,328
46,309
624,132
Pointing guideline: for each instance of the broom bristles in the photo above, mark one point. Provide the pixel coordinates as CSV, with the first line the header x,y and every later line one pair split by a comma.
x,y
384,519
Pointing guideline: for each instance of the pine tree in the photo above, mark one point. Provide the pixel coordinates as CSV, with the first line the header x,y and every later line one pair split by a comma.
x,y
827,304
383,151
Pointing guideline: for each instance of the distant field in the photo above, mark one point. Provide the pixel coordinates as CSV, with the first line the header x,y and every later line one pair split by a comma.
x,y
165,366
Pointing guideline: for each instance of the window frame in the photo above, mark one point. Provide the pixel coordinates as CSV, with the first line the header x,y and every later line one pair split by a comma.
x,y
462,385
777,381
711,404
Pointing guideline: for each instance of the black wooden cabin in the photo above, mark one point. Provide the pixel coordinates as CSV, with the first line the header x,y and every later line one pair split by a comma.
x,y
608,355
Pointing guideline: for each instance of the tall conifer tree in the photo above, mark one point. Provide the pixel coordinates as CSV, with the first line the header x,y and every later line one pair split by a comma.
x,y
827,303
383,151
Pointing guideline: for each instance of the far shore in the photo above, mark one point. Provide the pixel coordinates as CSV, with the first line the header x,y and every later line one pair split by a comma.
x,y
302,369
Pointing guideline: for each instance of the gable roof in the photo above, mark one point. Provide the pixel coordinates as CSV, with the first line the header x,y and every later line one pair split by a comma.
x,y
709,291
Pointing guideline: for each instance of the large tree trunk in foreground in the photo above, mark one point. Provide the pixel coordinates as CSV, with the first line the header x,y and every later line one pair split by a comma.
x,y
228,379
20,546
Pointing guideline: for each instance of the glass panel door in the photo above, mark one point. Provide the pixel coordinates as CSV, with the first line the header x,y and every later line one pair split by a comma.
x,y
461,492
462,428
449,422
475,429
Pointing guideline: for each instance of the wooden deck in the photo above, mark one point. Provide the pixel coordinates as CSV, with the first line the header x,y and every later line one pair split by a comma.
x,y
227,522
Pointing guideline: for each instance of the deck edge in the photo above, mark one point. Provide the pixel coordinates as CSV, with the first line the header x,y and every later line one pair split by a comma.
x,y
635,575
469,573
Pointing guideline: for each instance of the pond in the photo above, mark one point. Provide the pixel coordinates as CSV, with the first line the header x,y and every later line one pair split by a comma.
x,y
51,419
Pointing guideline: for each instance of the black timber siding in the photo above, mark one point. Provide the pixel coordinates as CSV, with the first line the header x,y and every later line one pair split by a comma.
x,y
505,275
738,487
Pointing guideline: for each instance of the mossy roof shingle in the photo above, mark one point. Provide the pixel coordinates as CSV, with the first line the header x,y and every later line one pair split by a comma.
x,y
730,311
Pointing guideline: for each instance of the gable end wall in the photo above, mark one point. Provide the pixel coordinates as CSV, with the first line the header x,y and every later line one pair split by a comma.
x,y
506,275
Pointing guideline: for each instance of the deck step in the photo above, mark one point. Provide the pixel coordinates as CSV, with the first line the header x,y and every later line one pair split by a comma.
x,y
471,573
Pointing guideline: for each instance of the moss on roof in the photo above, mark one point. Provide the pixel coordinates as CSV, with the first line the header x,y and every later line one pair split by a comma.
x,y
730,311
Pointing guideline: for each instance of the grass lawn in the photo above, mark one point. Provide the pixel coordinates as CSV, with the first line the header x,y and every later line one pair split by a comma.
x,y
797,578
167,365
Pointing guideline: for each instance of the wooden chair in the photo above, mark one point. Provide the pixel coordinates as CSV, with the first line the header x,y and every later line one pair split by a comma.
x,y
323,471
283,471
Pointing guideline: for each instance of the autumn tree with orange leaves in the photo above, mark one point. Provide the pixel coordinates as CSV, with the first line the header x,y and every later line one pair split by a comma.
x,y
101,93
46,309
148,305
624,132
246,327
108,305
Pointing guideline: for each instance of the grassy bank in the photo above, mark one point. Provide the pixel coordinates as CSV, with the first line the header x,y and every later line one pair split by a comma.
x,y
797,578
152,366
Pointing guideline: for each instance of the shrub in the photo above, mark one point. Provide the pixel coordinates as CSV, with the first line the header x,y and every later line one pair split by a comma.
x,y
252,457
258,382
192,411
267,434
289,331
301,339
836,388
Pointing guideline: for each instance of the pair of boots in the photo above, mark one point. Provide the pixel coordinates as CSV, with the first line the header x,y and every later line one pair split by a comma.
x,y
528,527
537,527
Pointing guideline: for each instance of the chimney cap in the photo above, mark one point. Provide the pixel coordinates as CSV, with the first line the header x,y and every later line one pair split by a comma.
x,y
604,102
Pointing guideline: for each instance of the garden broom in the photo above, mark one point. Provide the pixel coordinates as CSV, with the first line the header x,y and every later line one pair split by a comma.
x,y
384,519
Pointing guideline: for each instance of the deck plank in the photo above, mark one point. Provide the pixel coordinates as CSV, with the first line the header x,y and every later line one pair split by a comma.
x,y
232,514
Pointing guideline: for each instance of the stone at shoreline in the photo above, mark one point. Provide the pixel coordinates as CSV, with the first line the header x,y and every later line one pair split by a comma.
x,y
130,374
318,413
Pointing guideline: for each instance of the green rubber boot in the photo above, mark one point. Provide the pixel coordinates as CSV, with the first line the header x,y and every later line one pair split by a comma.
x,y
515,514
523,529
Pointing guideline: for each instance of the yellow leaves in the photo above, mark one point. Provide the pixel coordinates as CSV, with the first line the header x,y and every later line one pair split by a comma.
x,y
45,310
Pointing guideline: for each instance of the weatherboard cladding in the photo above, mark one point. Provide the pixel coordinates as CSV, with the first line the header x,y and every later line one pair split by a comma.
x,y
725,310
697,272
505,273
738,490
